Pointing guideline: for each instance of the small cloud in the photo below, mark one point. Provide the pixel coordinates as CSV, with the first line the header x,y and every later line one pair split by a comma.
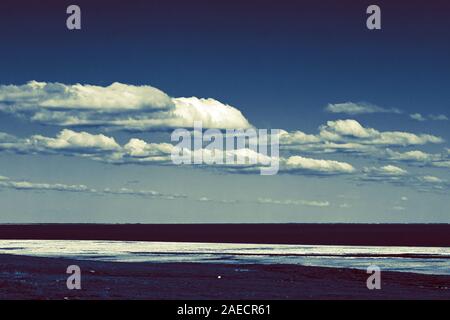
x,y
317,166
404,198
308,203
352,108
398,208
315,203
417,116
435,117
439,117
385,171
431,179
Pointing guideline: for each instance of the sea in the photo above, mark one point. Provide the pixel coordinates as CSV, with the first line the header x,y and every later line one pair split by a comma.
x,y
424,260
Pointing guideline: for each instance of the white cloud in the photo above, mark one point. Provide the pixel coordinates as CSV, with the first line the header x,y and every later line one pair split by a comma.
x,y
438,117
339,129
298,163
414,155
315,203
297,138
137,150
26,185
212,114
417,116
442,164
431,179
435,117
351,129
308,203
58,96
385,171
120,106
400,177
81,188
420,158
71,140
349,136
352,108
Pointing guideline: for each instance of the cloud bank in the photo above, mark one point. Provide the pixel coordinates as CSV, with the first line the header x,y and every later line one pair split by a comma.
x,y
118,106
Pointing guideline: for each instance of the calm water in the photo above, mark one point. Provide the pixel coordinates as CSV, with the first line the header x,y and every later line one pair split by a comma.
x,y
429,260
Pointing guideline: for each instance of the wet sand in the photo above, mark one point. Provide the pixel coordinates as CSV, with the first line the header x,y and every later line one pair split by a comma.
x,y
24,277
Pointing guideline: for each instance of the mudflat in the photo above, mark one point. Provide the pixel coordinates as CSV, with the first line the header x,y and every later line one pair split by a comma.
x,y
23,277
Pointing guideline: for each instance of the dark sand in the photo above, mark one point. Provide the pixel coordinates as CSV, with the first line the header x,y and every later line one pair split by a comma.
x,y
45,278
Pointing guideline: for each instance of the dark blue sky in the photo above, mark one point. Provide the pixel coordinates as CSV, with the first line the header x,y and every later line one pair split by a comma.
x,y
279,62
280,58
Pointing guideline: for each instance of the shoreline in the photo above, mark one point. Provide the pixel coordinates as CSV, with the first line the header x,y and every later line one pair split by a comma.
x,y
38,278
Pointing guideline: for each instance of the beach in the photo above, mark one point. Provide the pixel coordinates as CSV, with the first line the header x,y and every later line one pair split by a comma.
x,y
24,277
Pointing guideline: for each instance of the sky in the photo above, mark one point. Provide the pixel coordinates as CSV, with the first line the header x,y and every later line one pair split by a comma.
x,y
86,115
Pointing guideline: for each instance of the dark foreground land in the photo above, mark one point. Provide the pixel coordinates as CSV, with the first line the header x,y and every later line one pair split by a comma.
x,y
45,278
314,234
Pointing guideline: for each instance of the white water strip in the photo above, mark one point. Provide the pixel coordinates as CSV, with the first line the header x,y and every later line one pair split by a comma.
x,y
428,260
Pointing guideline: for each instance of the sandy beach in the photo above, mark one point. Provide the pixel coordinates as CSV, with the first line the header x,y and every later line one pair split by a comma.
x,y
23,277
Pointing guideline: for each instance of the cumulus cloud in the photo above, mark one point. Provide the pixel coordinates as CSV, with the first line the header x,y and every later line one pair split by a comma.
x,y
120,106
419,158
413,156
58,96
385,174
102,148
139,151
352,108
442,164
136,151
71,140
349,136
352,129
431,179
315,166
93,146
385,171
297,138
401,177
